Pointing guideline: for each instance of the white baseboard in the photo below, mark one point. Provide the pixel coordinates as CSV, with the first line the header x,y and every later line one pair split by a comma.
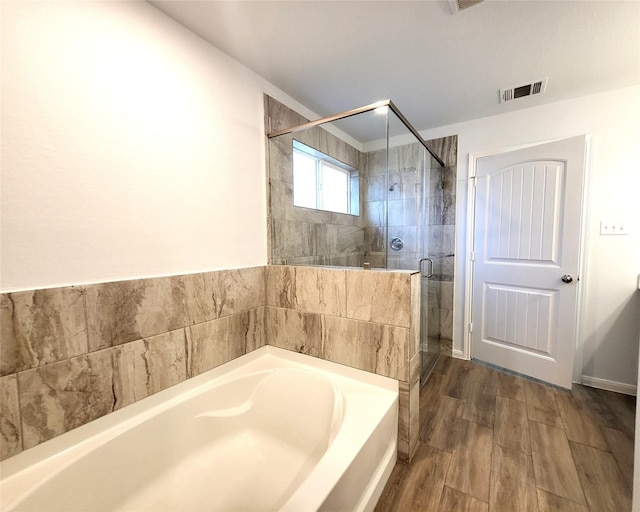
x,y
609,385
457,353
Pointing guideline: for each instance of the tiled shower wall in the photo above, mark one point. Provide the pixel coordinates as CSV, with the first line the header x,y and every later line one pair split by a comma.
x,y
422,216
441,244
405,194
304,236
71,355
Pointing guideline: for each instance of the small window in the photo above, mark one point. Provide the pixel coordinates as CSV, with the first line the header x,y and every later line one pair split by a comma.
x,y
322,182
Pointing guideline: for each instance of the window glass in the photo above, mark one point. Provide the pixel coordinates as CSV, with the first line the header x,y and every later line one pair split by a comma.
x,y
334,188
322,182
304,180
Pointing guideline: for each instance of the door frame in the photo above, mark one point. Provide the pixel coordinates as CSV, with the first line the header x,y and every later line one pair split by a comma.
x,y
585,223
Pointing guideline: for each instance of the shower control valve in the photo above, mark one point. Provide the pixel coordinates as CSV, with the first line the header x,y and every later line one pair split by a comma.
x,y
396,243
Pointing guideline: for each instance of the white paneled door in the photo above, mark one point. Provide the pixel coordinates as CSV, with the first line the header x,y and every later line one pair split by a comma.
x,y
526,250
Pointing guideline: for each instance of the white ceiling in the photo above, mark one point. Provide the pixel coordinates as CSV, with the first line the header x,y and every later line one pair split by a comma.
x,y
437,67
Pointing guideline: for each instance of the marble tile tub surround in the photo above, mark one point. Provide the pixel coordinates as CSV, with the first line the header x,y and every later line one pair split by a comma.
x,y
70,355
366,319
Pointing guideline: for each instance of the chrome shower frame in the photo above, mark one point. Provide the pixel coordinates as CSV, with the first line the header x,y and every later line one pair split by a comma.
x,y
354,112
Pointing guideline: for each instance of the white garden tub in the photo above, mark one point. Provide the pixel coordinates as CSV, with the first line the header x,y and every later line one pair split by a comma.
x,y
272,430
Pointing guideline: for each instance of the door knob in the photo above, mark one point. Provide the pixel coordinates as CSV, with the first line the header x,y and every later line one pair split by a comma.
x,y
566,278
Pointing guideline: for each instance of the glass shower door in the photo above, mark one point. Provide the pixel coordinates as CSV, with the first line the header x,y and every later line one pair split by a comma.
x,y
411,185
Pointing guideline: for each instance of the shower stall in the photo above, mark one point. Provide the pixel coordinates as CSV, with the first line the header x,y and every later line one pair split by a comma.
x,y
358,189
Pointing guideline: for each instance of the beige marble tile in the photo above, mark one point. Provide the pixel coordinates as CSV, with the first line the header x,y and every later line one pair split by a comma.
x,y
219,341
41,327
414,403
308,289
376,348
446,323
241,290
433,322
449,181
167,360
226,292
382,297
281,286
446,148
446,294
294,330
281,159
61,396
433,293
255,329
376,162
415,330
404,420
320,290
375,214
144,367
130,373
10,357
374,239
130,310
349,239
200,294
292,239
10,432
448,209
279,116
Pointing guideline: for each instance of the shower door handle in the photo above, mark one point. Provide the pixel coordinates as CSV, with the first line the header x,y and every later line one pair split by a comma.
x,y
430,273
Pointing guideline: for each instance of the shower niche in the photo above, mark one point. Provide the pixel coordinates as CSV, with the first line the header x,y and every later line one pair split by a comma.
x,y
390,197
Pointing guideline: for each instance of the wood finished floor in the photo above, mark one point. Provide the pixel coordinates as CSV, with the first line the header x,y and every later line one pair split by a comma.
x,y
492,441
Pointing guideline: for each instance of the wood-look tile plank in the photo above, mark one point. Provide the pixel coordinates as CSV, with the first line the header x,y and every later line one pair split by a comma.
x,y
624,408
520,405
423,481
511,428
541,404
470,467
431,390
443,365
482,372
513,485
578,424
548,502
480,401
553,464
456,501
511,386
392,490
456,379
621,444
597,405
603,483
441,427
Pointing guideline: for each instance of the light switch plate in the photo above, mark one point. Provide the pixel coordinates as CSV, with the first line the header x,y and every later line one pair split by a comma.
x,y
608,227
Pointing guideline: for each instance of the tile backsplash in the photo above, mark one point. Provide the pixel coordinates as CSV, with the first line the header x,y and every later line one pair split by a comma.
x,y
71,355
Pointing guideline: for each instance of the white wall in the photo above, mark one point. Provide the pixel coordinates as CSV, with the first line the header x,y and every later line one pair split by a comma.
x,y
130,147
611,323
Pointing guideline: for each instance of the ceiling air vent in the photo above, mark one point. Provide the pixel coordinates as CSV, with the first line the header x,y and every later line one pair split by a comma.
x,y
521,91
460,5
